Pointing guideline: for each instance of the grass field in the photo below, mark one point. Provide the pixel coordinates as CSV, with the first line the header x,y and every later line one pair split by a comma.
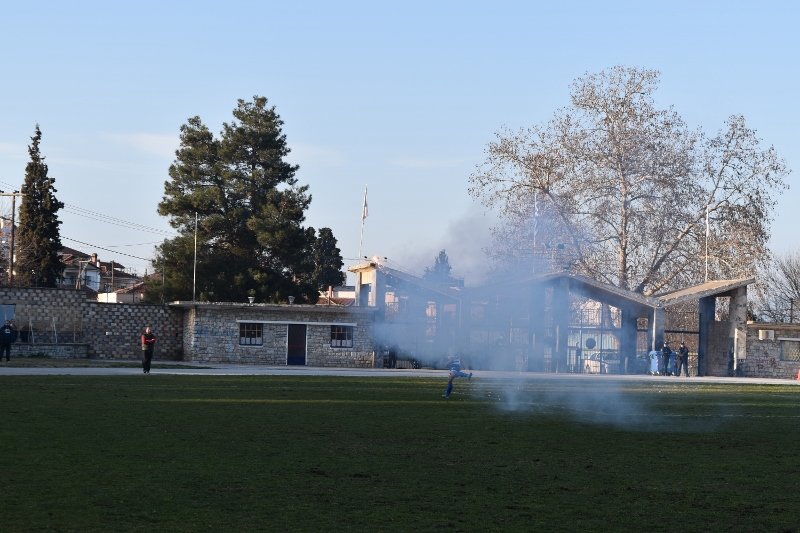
x,y
190,453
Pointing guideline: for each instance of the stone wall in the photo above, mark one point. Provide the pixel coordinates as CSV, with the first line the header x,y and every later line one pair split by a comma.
x,y
764,356
50,318
211,334
59,351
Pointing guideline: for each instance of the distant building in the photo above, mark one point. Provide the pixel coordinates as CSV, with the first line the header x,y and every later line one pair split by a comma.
x,y
342,296
553,322
107,281
127,295
80,270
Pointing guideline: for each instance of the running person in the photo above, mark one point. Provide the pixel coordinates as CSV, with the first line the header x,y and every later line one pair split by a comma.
x,y
455,372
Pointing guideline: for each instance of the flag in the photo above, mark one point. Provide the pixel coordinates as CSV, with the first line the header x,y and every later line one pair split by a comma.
x,y
364,208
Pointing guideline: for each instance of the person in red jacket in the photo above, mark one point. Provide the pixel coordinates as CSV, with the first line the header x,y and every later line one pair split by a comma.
x,y
148,345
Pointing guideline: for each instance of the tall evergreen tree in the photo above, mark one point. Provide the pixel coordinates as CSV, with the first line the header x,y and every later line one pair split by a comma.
x,y
440,272
327,261
38,239
250,212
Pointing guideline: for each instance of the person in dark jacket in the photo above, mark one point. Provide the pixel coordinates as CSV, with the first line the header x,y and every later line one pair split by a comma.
x,y
8,336
666,353
683,360
148,346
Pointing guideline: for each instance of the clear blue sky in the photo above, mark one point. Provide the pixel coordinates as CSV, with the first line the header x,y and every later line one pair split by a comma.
x,y
402,97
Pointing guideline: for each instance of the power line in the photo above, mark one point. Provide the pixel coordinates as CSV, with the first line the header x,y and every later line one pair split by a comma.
x,y
106,249
100,217
108,219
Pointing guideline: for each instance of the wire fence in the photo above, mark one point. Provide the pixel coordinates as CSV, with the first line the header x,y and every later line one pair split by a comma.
x,y
52,330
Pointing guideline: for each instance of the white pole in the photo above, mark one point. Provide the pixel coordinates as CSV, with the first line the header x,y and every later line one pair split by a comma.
x,y
194,275
707,232
364,213
535,226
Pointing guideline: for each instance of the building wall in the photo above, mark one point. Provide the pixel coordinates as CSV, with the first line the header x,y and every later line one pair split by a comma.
x,y
109,330
211,334
764,356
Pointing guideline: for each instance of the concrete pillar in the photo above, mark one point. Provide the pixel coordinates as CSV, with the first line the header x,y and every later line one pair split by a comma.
x,y
378,296
659,319
706,310
627,344
537,333
561,324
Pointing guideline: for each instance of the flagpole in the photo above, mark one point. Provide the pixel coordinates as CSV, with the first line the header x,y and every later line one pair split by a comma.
x,y
364,213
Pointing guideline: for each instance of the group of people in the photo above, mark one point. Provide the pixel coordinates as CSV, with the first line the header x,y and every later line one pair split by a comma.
x,y
671,363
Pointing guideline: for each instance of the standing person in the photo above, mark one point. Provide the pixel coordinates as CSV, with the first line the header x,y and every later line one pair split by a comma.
x,y
683,360
8,335
654,356
579,356
666,352
148,345
455,372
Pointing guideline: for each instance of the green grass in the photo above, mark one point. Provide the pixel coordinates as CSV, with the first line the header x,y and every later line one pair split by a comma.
x,y
189,453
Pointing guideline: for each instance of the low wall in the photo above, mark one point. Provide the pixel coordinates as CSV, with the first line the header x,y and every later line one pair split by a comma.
x,y
60,351
764,355
50,318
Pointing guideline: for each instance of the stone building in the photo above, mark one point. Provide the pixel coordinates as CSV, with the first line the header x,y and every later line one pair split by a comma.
x,y
773,350
63,323
268,334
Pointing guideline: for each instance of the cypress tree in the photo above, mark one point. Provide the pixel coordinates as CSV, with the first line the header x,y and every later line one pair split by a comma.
x,y
38,239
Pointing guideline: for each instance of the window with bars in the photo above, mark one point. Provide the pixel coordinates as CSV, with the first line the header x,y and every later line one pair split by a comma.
x,y
251,334
342,336
790,350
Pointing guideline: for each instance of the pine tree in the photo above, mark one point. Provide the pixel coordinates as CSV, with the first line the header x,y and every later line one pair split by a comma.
x,y
38,240
250,212
440,272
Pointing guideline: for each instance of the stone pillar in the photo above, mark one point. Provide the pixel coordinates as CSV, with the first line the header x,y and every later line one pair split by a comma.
x,y
738,325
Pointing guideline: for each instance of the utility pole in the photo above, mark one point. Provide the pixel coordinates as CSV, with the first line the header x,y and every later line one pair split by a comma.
x,y
13,196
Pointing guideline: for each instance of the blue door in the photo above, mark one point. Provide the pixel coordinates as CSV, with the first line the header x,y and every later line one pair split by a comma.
x,y
296,345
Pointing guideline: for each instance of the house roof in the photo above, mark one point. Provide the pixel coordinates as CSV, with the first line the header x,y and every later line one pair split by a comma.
x,y
256,307
115,265
338,301
703,290
138,287
72,252
579,284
